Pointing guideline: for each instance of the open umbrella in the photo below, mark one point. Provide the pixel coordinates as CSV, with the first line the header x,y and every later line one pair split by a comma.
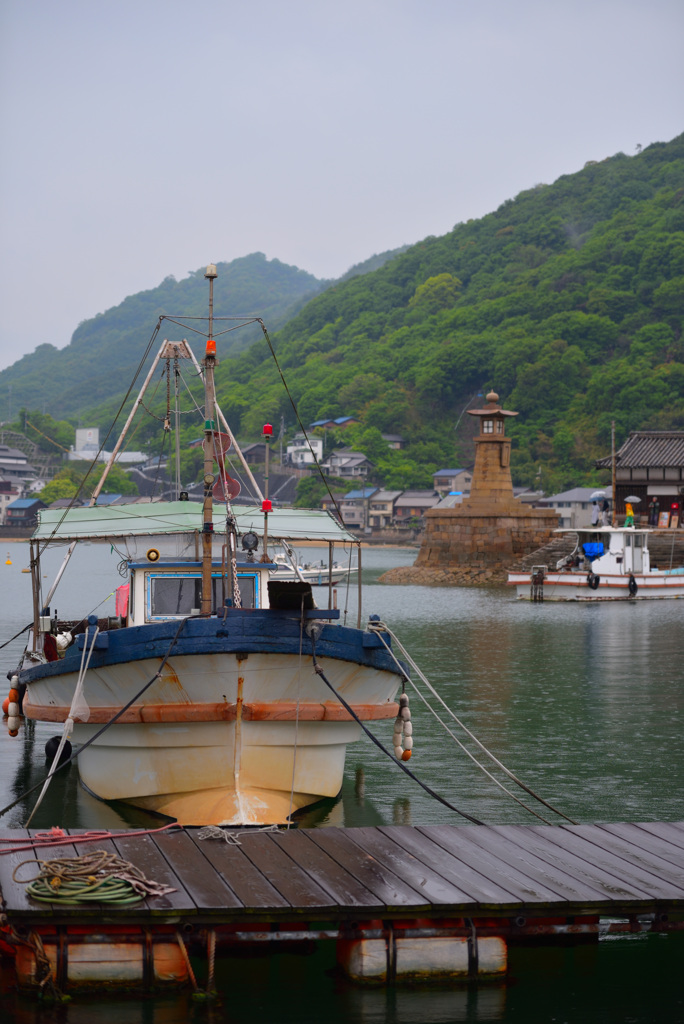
x,y
597,494
632,498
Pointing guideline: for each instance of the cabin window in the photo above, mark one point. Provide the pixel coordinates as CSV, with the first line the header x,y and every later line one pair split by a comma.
x,y
173,596
487,426
499,426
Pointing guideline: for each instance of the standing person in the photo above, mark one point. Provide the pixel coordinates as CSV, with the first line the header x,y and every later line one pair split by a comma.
x,y
605,508
629,514
653,511
594,513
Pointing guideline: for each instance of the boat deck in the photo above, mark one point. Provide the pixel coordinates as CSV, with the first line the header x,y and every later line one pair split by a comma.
x,y
340,876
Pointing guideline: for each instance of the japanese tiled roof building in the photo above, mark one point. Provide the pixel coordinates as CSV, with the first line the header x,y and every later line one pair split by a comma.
x,y
650,464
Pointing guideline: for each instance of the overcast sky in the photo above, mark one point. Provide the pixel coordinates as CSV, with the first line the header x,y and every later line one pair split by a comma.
x,y
143,138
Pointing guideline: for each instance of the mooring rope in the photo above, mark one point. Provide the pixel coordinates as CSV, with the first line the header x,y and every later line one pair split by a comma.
x,y
378,628
97,875
319,671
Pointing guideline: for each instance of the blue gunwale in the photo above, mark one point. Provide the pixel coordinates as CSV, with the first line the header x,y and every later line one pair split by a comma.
x,y
244,630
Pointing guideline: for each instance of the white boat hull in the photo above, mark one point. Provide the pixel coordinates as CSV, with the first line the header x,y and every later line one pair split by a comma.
x,y
573,586
224,738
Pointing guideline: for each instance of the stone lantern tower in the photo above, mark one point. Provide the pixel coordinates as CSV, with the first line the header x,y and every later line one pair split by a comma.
x,y
478,540
492,474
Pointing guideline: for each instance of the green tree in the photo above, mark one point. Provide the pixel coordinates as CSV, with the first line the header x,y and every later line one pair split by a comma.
x,y
439,292
61,486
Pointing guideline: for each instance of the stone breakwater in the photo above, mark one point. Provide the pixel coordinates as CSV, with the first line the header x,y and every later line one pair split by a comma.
x,y
462,576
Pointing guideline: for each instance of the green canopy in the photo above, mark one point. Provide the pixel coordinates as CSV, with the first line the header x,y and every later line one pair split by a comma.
x,y
166,517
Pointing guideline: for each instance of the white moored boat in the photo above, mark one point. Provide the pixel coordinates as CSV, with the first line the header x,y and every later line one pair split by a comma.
x,y
215,695
607,564
318,574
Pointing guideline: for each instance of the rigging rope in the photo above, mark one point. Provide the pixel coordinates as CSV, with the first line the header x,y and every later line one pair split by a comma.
x,y
301,425
102,446
319,671
378,628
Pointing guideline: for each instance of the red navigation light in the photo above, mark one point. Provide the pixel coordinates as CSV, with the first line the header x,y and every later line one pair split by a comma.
x,y
268,430
266,505
211,347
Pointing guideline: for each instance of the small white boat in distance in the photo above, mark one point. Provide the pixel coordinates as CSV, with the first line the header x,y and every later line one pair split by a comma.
x,y
607,564
318,574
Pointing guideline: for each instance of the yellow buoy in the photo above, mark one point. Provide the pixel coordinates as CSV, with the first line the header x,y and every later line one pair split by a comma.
x,y
8,560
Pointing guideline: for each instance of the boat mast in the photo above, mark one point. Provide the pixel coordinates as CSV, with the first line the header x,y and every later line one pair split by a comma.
x,y
209,402
612,456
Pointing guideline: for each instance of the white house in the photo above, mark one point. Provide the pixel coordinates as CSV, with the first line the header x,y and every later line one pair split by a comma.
x,y
299,450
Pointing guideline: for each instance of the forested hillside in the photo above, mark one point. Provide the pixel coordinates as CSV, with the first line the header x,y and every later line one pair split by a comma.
x,y
100,360
568,300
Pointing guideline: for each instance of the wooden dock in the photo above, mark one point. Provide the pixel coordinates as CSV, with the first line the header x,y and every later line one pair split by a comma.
x,y
363,885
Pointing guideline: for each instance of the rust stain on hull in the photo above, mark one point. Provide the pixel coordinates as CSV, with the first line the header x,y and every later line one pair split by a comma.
x,y
271,711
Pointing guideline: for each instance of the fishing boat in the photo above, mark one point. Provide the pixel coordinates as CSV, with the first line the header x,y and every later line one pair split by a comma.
x,y
218,693
318,574
607,564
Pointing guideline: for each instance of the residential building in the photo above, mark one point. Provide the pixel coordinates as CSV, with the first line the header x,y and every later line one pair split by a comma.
x,y
331,504
8,493
255,453
14,467
23,512
414,505
650,464
347,464
394,441
355,507
573,506
381,509
447,480
328,424
301,452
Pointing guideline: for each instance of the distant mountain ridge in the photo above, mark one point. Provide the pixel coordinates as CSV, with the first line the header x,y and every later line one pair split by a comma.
x,y
97,364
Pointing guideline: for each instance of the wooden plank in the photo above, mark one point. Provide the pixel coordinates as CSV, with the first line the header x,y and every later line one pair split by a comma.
x,y
142,852
618,873
202,883
342,886
665,830
457,840
545,882
646,850
388,847
612,886
245,879
391,890
13,893
291,880
476,887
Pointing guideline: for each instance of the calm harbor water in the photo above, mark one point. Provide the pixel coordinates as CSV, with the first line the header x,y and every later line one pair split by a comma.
x,y
584,703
